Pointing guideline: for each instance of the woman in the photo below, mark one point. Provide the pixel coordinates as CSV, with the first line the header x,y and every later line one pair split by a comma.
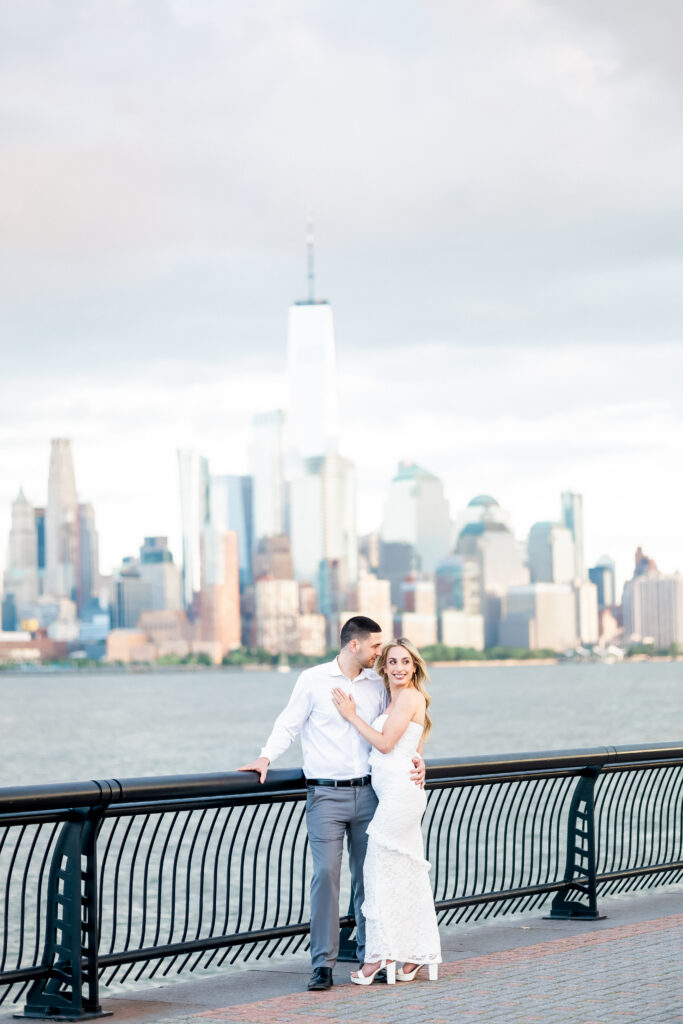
x,y
400,920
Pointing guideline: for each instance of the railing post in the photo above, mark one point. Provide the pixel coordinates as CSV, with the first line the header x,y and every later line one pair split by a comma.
x,y
70,988
579,872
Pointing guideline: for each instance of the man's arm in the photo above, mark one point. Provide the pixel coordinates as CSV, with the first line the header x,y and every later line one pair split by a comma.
x,y
285,729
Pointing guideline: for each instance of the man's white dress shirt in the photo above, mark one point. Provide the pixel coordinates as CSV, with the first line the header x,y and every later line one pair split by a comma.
x,y
332,748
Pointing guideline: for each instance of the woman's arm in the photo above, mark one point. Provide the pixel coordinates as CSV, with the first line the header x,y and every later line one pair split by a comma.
x,y
396,724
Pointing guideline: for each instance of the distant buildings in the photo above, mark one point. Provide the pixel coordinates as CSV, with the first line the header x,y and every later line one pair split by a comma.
x,y
371,596
193,470
539,616
131,595
52,567
323,518
231,508
603,576
88,575
551,553
416,513
397,561
653,605
219,596
157,567
61,523
487,540
418,621
458,584
20,578
276,616
587,619
266,467
572,518
462,629
271,559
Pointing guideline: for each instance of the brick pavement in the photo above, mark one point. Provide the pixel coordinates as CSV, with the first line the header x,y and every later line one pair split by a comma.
x,y
628,973
624,968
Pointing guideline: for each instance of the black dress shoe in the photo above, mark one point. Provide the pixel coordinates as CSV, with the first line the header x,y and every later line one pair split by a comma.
x,y
321,979
381,975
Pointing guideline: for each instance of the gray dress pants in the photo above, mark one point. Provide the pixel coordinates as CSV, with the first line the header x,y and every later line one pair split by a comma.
x,y
332,814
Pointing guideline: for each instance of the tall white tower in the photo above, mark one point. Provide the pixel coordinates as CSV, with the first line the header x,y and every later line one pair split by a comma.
x,y
21,571
61,523
572,518
194,509
313,416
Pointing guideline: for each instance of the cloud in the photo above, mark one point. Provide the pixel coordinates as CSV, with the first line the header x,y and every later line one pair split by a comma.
x,y
496,189
505,172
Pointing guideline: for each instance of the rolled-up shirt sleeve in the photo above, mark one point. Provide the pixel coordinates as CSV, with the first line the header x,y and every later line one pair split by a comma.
x,y
288,723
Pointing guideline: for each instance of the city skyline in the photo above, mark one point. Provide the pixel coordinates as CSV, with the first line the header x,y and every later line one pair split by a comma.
x,y
506,291
212,482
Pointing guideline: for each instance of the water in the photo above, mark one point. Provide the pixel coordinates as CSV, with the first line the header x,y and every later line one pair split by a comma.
x,y
70,726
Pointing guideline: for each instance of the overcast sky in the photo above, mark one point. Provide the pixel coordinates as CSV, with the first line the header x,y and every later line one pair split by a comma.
x,y
499,214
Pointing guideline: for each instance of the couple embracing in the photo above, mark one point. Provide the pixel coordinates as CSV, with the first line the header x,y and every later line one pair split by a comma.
x,y
363,718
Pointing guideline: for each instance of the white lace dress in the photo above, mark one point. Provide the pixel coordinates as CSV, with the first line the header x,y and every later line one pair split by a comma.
x,y
399,904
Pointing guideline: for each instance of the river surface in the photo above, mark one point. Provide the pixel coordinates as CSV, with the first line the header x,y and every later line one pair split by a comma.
x,y
58,727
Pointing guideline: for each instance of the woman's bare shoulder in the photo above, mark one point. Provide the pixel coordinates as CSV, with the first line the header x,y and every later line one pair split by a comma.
x,y
412,698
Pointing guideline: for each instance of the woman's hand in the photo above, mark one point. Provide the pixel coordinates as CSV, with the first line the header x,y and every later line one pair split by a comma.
x,y
344,703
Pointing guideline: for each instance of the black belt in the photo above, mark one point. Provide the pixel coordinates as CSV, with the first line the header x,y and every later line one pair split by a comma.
x,y
364,780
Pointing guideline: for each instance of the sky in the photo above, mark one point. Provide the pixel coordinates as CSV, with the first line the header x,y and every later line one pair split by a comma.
x,y
498,210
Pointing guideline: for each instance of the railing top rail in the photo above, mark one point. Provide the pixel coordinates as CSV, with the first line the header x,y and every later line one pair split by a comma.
x,y
544,760
100,793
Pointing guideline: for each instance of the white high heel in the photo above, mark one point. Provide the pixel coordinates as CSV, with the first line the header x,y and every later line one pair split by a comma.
x,y
402,975
367,979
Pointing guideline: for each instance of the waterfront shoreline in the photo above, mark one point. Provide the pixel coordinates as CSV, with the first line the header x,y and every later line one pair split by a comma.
x,y
151,669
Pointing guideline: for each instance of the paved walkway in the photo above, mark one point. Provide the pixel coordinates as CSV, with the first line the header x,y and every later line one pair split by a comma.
x,y
626,968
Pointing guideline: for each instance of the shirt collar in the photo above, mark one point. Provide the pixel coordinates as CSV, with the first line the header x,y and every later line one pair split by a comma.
x,y
335,670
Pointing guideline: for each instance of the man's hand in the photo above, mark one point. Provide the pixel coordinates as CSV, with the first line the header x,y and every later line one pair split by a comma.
x,y
418,772
261,765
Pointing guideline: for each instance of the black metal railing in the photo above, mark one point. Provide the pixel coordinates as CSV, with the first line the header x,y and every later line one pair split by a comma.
x,y
112,881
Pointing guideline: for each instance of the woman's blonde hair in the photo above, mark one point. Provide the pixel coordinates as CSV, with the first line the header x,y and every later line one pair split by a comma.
x,y
420,675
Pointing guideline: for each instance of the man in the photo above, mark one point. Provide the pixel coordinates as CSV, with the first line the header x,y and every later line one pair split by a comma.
x,y
340,799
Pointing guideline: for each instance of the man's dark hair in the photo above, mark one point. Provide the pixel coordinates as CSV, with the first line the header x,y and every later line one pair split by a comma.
x,y
357,628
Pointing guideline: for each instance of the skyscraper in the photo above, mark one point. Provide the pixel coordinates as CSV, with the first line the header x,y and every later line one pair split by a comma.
x,y
416,512
267,473
488,539
61,523
160,571
40,533
653,609
602,575
323,518
88,556
194,508
551,553
458,584
20,578
231,509
572,518
540,615
219,600
131,595
313,415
